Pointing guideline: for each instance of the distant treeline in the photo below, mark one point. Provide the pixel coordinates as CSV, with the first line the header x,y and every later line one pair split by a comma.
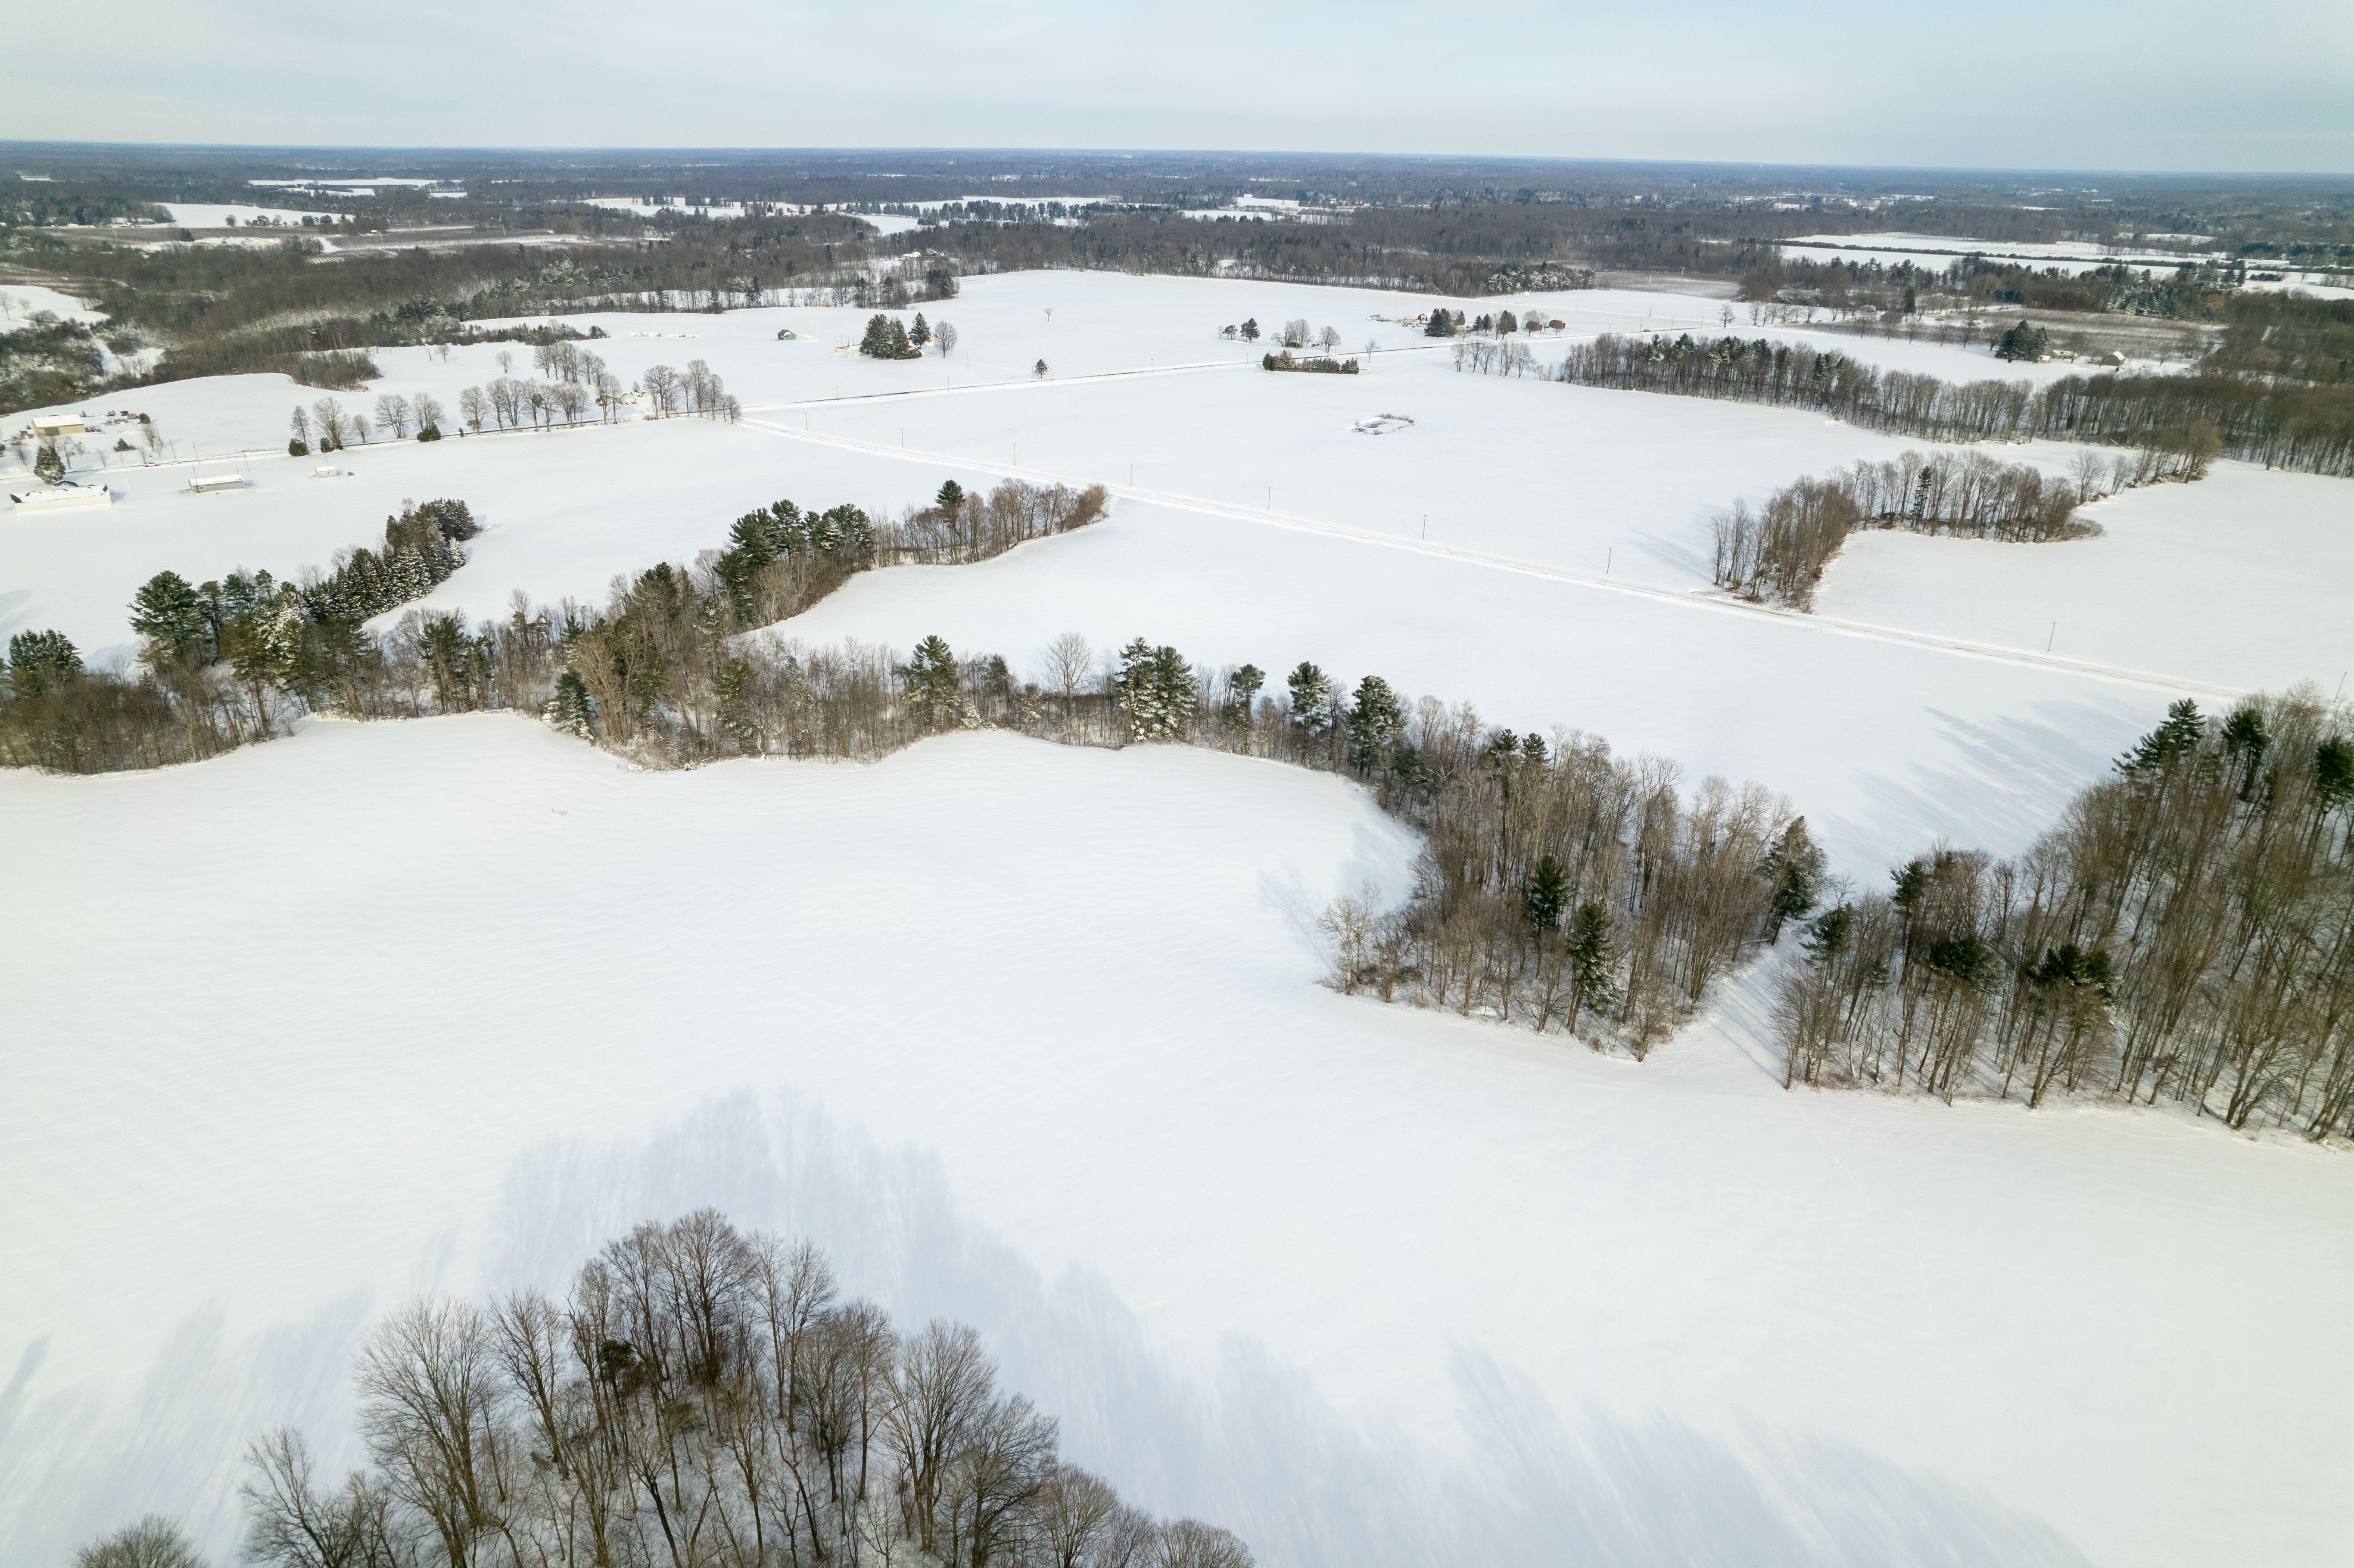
x,y
1778,552
2186,931
697,1396
2281,426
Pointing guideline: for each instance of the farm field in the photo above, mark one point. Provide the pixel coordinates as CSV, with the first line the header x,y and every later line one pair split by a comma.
x,y
1033,1036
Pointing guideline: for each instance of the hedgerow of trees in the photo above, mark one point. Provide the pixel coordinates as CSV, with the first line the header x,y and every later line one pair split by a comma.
x,y
1778,553
697,1396
2186,932
2182,418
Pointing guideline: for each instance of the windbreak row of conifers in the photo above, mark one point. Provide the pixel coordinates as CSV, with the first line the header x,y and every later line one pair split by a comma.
x,y
2181,419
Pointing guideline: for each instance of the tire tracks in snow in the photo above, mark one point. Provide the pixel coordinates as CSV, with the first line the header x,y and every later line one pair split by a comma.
x,y
1701,601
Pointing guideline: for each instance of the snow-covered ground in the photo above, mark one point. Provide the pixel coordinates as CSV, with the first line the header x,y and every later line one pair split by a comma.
x,y
2242,577
20,301
441,1004
1371,1286
1483,553
1938,251
218,214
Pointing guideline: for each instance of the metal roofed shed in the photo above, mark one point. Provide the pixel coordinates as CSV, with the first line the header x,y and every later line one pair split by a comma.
x,y
64,497
205,484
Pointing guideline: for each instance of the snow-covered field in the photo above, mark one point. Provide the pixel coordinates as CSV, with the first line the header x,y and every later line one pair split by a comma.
x,y
20,301
218,214
1938,251
1030,1036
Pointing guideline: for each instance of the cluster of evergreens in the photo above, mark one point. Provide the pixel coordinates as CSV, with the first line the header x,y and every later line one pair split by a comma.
x,y
2187,932
1778,552
2181,419
1321,364
698,1395
227,661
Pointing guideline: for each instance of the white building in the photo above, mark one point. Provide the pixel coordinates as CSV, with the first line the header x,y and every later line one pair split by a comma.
x,y
65,497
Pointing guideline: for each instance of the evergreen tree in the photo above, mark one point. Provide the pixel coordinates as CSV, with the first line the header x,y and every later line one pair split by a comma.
x,y
1040,370
951,495
40,662
2023,342
1592,952
570,711
1826,936
898,347
1155,689
932,684
920,333
1792,868
167,612
1442,325
731,685
2158,751
1311,700
876,343
2333,772
1547,895
1375,720
1246,684
1250,330
47,466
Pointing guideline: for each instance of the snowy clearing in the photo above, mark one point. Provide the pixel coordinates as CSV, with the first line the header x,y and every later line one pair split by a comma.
x,y
1032,1036
1512,1290
19,302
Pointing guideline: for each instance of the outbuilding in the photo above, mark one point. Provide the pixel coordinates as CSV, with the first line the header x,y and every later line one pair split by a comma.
x,y
203,483
65,497
51,426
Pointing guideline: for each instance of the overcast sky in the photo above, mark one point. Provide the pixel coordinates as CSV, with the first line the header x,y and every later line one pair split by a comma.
x,y
2256,85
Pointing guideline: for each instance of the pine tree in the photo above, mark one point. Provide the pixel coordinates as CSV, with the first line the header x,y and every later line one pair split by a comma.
x,y
1155,689
2158,751
1592,953
1826,936
920,333
1792,868
570,711
876,343
1547,895
40,662
167,612
1375,720
47,466
1442,325
1040,370
1311,700
1245,683
951,495
933,688
1250,330
898,347
2333,772
731,686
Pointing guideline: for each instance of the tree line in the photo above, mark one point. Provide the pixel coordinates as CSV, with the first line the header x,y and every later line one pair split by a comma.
x,y
228,663
2186,931
699,1397
2179,419
1778,553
